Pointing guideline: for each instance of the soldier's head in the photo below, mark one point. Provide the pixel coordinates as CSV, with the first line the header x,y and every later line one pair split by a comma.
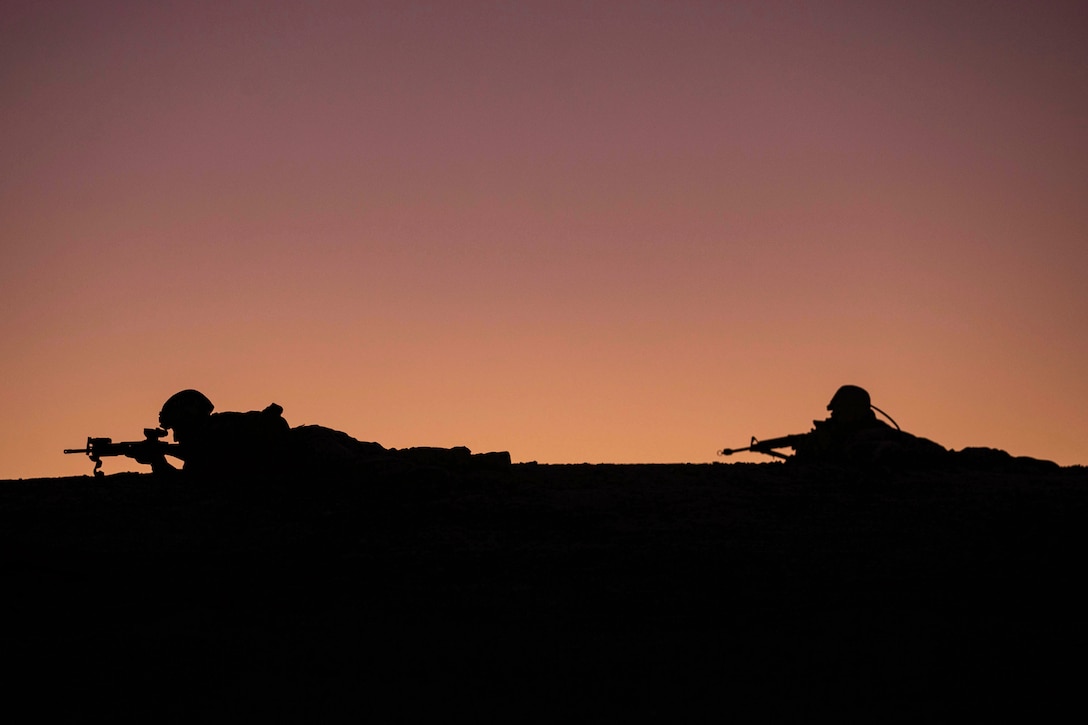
x,y
185,412
850,403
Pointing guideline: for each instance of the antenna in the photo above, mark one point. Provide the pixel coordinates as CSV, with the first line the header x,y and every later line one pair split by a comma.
x,y
886,416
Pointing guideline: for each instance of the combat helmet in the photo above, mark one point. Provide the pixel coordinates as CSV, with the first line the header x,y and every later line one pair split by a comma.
x,y
850,401
188,405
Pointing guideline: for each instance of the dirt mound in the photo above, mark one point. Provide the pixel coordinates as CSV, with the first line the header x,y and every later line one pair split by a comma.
x,y
543,592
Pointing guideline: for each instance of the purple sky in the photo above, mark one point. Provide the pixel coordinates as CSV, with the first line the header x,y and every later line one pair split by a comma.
x,y
578,231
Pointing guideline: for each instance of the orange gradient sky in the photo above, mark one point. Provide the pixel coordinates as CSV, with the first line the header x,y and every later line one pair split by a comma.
x,y
578,231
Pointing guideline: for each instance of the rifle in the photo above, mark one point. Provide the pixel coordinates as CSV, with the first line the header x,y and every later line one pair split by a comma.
x,y
769,447
149,448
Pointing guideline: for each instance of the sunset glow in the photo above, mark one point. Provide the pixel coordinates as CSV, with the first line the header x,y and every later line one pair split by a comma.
x,y
576,231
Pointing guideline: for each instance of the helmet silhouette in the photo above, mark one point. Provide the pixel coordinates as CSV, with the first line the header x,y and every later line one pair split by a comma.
x,y
185,407
850,401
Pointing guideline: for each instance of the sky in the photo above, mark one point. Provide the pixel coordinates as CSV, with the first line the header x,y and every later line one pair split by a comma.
x,y
578,231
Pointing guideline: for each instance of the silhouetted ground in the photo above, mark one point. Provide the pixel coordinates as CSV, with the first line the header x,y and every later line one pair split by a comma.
x,y
547,593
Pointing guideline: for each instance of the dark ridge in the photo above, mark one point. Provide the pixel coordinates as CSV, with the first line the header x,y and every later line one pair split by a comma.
x,y
544,593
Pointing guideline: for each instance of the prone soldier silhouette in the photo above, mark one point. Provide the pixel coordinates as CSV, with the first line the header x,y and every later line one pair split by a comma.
x,y
262,442
851,435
